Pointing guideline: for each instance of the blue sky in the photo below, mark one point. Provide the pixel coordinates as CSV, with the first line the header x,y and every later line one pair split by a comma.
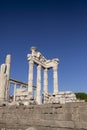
x,y
58,28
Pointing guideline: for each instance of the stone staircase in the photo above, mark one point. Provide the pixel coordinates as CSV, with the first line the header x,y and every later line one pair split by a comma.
x,y
70,116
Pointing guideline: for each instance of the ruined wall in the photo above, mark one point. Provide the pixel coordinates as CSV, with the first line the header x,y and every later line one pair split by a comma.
x,y
71,116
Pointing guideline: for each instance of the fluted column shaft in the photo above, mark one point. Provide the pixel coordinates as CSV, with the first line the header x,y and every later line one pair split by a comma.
x,y
30,77
45,80
8,62
14,91
38,92
3,82
55,79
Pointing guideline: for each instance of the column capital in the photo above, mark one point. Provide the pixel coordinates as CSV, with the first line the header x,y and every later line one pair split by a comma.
x,y
45,70
31,62
38,66
55,67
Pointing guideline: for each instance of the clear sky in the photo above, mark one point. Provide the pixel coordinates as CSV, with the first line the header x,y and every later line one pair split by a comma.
x,y
58,28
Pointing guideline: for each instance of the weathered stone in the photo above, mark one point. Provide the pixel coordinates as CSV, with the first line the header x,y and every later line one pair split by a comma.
x,y
37,58
38,117
81,125
3,82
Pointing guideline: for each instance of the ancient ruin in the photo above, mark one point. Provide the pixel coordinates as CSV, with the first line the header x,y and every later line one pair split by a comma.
x,y
24,94
4,79
27,110
37,58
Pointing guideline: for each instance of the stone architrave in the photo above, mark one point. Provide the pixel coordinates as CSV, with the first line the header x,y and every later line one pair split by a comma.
x,y
3,82
30,77
38,92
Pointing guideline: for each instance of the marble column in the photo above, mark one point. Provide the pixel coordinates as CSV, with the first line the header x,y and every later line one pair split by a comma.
x,y
8,62
45,80
30,77
14,92
38,92
55,79
3,82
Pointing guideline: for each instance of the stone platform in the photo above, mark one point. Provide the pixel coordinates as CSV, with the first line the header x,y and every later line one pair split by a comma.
x,y
70,116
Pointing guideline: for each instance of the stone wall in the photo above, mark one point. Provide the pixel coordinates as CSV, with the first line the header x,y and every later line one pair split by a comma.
x,y
70,116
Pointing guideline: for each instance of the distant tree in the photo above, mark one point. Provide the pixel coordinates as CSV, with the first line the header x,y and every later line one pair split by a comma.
x,y
81,96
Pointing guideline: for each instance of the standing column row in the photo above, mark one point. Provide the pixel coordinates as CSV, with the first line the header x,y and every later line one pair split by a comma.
x,y
30,80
